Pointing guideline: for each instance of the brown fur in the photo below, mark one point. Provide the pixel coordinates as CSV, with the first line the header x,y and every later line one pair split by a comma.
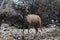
x,y
33,19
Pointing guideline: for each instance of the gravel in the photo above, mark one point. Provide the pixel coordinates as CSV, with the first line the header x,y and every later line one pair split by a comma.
x,y
11,33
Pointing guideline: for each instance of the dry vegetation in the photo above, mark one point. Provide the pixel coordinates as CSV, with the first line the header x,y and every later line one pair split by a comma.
x,y
12,13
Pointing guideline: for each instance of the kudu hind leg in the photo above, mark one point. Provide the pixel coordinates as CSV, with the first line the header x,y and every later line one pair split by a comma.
x,y
40,27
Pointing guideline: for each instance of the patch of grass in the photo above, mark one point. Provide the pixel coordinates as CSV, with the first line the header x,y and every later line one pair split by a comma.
x,y
0,33
53,34
10,38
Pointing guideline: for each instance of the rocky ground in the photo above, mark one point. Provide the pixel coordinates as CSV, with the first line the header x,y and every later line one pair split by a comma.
x,y
50,14
11,33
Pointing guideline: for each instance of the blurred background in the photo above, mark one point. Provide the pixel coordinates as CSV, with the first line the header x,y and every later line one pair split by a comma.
x,y
12,13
